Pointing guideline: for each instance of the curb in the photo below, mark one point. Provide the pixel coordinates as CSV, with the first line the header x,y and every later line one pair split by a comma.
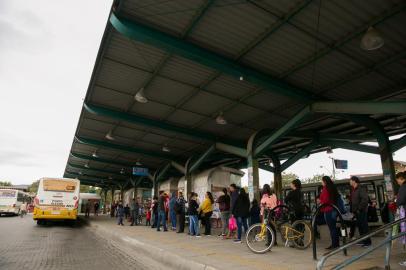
x,y
159,255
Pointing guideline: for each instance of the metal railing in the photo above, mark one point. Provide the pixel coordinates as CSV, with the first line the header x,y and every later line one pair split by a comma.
x,y
343,229
388,242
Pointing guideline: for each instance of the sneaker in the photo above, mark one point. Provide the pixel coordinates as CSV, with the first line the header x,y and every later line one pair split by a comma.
x,y
237,241
198,236
403,263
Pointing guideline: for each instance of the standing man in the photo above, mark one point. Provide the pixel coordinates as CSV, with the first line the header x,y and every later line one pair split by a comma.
x,y
180,212
359,207
134,212
233,196
172,212
161,212
96,208
224,206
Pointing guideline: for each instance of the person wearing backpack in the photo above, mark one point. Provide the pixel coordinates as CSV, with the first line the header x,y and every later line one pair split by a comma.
x,y
359,207
224,206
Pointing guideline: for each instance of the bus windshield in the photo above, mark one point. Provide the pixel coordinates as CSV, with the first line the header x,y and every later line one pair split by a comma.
x,y
59,186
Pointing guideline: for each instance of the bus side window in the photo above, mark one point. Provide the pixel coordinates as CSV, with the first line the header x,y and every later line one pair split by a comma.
x,y
20,197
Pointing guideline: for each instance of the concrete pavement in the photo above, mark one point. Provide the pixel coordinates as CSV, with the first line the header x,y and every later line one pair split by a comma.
x,y
180,251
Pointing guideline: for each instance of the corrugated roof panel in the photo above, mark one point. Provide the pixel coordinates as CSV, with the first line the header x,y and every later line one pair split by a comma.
x,y
239,133
280,51
96,125
230,87
361,88
128,132
151,110
397,70
120,77
327,70
108,98
133,53
167,91
186,71
266,101
184,118
174,16
265,122
229,28
241,113
278,7
205,103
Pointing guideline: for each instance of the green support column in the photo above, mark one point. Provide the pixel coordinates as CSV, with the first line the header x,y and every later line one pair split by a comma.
x,y
277,175
253,177
188,178
112,194
253,169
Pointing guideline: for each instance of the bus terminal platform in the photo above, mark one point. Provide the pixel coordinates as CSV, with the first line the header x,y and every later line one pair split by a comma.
x,y
181,251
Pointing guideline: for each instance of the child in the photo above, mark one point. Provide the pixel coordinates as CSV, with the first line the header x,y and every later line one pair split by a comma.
x,y
120,214
148,218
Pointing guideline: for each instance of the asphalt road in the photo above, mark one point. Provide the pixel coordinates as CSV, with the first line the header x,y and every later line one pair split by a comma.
x,y
24,245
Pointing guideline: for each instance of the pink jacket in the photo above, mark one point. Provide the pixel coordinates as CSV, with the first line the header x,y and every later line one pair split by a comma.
x,y
268,202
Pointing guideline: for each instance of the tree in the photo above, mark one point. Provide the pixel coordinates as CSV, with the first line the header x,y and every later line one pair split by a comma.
x,y
5,183
87,189
315,179
33,187
287,178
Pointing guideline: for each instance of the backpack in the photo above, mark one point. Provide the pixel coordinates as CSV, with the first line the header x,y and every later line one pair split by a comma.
x,y
340,205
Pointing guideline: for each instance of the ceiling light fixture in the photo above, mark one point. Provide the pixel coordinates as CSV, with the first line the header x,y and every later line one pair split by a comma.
x,y
165,148
122,171
110,136
220,119
138,163
95,155
80,173
87,165
371,40
241,78
140,96
110,178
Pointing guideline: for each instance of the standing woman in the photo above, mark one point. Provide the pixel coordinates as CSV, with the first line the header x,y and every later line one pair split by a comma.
x,y
207,211
193,215
241,212
268,201
329,195
224,205
401,202
294,199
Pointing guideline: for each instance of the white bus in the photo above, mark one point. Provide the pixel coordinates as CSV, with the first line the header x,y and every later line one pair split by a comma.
x,y
11,201
57,199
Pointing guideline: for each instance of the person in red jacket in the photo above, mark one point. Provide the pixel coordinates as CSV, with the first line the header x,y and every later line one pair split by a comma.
x,y
329,195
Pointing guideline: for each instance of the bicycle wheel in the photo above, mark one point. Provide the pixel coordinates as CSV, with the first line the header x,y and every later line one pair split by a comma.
x,y
257,242
301,234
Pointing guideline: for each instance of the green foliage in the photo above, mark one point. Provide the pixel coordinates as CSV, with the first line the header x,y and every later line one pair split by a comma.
x,y
87,189
33,187
287,178
5,183
315,179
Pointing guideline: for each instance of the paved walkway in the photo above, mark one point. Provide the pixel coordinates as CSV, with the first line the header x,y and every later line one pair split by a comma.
x,y
210,252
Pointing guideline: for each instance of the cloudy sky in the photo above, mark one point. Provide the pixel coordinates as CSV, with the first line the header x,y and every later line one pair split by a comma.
x,y
47,52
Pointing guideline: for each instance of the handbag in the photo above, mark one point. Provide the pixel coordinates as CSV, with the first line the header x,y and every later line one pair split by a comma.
x,y
232,224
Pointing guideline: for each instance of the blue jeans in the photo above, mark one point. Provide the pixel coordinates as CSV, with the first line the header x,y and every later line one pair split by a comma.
x,y
331,220
194,225
172,214
241,222
161,218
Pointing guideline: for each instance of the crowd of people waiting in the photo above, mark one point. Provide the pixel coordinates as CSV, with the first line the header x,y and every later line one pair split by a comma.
x,y
237,212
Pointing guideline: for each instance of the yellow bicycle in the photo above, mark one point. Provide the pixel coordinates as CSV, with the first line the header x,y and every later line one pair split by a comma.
x,y
260,237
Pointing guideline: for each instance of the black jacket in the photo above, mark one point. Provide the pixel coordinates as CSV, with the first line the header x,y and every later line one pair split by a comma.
x,y
242,206
401,198
224,203
192,208
294,199
359,199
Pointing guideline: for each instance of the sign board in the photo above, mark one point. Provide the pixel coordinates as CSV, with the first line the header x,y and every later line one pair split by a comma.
x,y
341,164
140,171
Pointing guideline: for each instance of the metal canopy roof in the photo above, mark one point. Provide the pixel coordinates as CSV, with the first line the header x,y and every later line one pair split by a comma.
x,y
257,62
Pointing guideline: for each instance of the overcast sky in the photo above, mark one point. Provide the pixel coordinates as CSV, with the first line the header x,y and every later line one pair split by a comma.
x,y
47,53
